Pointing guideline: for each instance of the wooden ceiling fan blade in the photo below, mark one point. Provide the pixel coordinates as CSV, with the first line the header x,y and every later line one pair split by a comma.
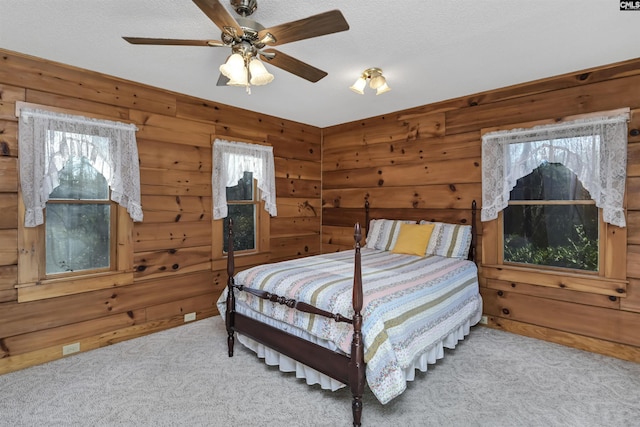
x,y
219,15
175,42
313,26
292,65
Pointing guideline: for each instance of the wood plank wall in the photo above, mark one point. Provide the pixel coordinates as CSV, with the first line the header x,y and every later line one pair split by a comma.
x,y
172,276
425,162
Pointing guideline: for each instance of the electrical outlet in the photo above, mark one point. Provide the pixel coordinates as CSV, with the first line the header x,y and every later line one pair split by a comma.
x,y
71,348
190,317
484,320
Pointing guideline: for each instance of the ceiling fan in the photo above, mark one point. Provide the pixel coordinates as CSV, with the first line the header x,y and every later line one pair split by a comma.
x,y
248,40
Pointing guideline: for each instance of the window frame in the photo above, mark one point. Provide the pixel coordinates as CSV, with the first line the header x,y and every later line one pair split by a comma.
x,y
262,253
246,257
33,283
611,279
255,202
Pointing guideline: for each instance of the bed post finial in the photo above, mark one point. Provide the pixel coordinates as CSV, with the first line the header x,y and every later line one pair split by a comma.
x,y
231,298
356,363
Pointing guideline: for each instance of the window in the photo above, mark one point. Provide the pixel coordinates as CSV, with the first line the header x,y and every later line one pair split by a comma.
x,y
78,221
80,184
243,183
243,208
551,221
553,203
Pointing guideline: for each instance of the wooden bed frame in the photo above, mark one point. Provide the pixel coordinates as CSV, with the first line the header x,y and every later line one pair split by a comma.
x,y
347,369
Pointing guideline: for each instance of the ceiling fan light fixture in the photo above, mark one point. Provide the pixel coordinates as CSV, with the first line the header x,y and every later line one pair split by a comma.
x,y
259,74
376,81
358,86
239,80
234,67
382,89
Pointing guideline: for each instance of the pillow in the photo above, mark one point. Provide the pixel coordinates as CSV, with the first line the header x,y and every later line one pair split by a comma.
x,y
413,239
382,233
449,240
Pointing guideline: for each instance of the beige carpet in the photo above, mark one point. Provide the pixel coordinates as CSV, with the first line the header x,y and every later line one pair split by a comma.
x,y
183,377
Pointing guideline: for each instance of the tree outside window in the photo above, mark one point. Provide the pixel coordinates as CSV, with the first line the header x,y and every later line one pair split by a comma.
x,y
551,221
242,205
78,220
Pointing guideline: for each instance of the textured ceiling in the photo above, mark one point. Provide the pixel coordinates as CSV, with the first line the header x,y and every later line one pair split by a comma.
x,y
429,50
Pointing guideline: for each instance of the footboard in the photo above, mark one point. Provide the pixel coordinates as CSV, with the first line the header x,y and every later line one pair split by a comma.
x,y
346,369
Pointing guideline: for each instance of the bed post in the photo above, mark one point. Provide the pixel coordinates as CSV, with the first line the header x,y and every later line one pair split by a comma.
x,y
356,363
474,230
231,298
366,218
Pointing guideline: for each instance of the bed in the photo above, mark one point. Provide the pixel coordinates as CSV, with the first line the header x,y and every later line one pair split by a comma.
x,y
372,315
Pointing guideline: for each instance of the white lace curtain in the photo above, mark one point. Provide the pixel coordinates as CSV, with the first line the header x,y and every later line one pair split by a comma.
x,y
47,140
230,161
595,149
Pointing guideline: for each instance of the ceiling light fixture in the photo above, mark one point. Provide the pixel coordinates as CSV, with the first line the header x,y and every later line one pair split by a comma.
x,y
243,68
376,81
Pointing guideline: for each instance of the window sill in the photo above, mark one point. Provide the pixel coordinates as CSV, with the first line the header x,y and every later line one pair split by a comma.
x,y
588,283
51,288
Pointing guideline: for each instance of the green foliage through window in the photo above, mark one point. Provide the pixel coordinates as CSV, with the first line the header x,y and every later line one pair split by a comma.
x,y
551,221
242,209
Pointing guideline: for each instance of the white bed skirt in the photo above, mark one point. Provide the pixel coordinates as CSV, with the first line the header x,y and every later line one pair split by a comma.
x,y
311,376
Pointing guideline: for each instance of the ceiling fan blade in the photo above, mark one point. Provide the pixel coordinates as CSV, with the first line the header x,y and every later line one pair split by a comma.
x,y
292,65
219,15
178,42
313,26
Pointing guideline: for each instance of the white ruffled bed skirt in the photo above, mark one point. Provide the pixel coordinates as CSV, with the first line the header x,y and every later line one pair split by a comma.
x,y
312,377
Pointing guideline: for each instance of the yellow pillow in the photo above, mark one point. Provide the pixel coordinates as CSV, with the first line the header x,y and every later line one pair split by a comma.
x,y
413,239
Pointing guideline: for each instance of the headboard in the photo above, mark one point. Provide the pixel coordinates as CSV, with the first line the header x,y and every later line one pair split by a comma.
x,y
418,214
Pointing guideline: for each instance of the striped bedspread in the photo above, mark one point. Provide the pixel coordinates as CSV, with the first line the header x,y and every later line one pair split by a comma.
x,y
410,304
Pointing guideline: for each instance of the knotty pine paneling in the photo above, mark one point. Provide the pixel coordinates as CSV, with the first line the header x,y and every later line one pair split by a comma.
x,y
8,210
632,301
8,138
375,152
171,262
8,174
428,159
8,97
402,152
8,247
173,269
611,325
167,209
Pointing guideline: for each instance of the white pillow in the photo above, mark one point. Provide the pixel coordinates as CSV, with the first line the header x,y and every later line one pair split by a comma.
x,y
449,240
383,233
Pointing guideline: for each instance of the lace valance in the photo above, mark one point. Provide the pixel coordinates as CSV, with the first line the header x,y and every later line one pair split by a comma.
x,y
230,161
595,149
47,140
